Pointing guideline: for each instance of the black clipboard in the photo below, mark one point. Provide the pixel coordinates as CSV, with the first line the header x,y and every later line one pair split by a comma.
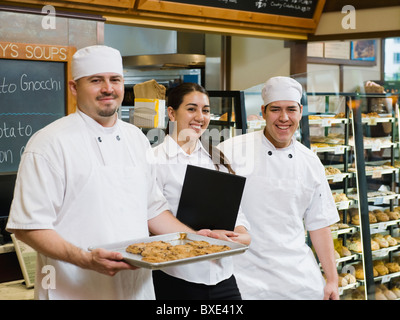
x,y
210,199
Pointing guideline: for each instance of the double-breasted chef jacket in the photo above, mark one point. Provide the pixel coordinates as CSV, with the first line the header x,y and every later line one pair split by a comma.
x,y
92,185
171,162
286,193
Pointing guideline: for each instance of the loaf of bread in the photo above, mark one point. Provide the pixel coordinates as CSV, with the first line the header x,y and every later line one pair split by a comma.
x,y
382,270
355,219
374,245
393,267
383,243
350,279
392,241
393,215
355,246
396,291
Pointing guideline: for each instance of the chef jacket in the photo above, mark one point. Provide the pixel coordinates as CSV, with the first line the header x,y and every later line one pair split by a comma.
x,y
286,193
171,163
92,185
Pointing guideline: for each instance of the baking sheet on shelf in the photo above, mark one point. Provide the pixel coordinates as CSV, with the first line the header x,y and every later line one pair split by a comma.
x,y
174,239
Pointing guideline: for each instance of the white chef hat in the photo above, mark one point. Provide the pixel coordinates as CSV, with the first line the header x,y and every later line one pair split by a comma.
x,y
96,59
281,88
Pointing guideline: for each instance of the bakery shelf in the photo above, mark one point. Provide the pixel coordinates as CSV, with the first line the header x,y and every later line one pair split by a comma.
x,y
373,121
347,259
327,121
376,197
383,252
348,287
343,205
383,279
339,176
348,230
359,137
337,149
382,226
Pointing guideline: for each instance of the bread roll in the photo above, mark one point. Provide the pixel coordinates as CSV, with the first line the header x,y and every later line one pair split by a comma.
x,y
381,216
393,267
394,215
344,252
390,294
392,241
355,246
355,219
374,245
382,270
342,282
359,274
380,296
349,277
383,243
396,291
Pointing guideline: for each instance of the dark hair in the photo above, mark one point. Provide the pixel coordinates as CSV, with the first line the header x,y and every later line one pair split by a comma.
x,y
176,94
175,98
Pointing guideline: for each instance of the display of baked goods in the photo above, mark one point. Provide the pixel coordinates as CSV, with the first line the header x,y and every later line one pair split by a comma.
x,y
378,241
338,197
339,226
330,139
331,171
396,163
375,194
375,216
374,142
224,117
348,246
319,145
344,279
382,292
161,251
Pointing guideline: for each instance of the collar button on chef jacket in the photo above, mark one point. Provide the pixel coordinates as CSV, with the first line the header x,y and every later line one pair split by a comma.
x,y
270,153
290,156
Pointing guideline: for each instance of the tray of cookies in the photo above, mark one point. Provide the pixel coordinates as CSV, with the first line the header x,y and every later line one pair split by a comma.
x,y
167,250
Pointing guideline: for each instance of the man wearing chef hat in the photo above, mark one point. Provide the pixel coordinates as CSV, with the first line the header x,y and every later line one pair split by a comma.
x,y
85,180
286,191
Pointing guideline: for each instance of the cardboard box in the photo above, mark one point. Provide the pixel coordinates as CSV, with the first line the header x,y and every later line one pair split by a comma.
x,y
149,113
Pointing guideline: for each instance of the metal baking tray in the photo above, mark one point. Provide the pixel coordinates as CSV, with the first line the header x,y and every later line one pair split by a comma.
x,y
174,239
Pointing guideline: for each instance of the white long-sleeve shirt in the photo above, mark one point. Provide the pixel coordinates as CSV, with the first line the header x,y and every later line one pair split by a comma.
x,y
171,163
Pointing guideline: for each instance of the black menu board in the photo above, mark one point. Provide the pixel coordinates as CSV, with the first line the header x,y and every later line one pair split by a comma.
x,y
291,8
32,94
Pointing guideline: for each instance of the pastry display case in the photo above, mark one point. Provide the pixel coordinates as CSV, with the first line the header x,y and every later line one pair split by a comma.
x,y
359,147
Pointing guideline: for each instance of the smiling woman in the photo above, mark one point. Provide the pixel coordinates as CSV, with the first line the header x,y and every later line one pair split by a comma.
x,y
189,112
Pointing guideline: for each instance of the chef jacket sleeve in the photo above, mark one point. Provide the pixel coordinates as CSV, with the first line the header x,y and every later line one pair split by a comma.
x,y
157,203
322,211
241,220
38,194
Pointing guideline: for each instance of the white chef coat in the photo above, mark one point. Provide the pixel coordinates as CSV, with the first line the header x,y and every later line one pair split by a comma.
x,y
286,192
171,163
93,186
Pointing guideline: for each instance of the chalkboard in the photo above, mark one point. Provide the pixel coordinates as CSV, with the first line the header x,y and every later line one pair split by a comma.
x,y
291,8
32,95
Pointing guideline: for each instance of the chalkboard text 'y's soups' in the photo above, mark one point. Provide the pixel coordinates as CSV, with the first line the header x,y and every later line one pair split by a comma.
x,y
33,52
